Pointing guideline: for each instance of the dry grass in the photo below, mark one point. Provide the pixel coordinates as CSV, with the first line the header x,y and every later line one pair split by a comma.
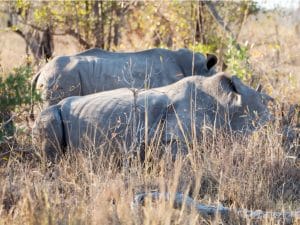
x,y
274,53
89,188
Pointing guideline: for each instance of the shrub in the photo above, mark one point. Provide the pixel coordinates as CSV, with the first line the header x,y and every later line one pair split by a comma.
x,y
15,95
203,48
237,60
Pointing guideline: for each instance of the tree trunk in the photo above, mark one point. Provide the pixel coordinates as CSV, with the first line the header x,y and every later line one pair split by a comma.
x,y
99,24
200,35
111,18
46,45
87,26
119,17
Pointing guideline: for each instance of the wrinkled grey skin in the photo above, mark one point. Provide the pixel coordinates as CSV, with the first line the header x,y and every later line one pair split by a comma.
x,y
96,70
118,116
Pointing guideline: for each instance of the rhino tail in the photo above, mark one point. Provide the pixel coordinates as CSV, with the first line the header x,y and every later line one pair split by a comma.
x,y
49,134
33,88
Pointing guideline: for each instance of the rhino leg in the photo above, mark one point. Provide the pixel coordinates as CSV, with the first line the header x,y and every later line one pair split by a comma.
x,y
48,133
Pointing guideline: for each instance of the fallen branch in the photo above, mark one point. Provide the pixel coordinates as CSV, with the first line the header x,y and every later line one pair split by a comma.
x,y
209,211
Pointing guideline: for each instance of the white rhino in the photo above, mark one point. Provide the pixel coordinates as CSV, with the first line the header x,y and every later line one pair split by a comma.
x,y
124,117
96,70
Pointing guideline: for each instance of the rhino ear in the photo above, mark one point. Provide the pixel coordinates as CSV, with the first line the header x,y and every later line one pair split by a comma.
x,y
238,85
233,89
211,61
227,82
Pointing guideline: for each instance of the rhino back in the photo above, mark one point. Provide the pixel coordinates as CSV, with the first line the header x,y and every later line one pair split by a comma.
x,y
116,70
112,117
96,70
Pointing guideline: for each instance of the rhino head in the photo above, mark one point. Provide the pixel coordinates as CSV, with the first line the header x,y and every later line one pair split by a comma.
x,y
247,108
253,111
194,63
53,84
219,102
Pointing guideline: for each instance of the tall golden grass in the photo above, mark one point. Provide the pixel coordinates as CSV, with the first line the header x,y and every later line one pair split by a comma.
x,y
87,187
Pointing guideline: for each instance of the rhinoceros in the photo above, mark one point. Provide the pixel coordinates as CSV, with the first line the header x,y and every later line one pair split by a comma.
x,y
125,116
96,70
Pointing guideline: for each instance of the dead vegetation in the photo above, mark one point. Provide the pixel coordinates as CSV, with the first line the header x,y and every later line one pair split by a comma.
x,y
88,188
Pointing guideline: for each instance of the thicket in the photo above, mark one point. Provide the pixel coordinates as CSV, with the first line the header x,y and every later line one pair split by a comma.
x,y
212,27
15,98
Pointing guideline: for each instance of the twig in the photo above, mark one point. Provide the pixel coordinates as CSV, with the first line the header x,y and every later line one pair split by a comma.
x,y
7,121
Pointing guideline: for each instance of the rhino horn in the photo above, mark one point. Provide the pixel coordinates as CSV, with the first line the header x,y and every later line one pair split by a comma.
x,y
259,88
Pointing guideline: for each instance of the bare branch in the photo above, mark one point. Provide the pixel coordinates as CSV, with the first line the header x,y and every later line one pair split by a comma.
x,y
218,18
220,21
7,121
83,42
32,25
